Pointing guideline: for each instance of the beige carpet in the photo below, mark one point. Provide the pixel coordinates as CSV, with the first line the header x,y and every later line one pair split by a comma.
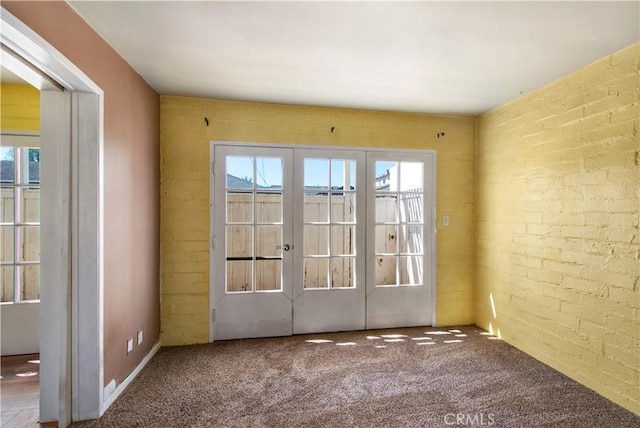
x,y
411,377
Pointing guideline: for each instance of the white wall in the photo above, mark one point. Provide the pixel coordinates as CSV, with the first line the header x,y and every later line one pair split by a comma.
x,y
20,331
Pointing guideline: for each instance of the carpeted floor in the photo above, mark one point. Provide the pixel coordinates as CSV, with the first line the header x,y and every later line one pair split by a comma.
x,y
410,377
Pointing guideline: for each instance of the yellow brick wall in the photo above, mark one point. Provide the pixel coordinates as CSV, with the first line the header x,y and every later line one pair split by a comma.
x,y
558,205
20,107
185,191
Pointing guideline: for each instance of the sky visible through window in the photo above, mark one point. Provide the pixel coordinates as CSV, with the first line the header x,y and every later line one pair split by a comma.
x,y
316,171
6,153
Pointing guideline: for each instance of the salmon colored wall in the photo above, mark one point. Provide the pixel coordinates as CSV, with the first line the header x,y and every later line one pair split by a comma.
x,y
185,191
131,181
558,250
20,107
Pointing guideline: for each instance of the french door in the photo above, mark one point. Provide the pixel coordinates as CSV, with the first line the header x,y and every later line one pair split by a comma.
x,y
252,241
329,266
400,248
317,240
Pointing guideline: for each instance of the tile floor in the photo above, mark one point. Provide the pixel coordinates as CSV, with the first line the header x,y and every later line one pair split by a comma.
x,y
19,392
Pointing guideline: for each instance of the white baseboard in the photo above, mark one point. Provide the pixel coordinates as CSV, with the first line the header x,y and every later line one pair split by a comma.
x,y
108,401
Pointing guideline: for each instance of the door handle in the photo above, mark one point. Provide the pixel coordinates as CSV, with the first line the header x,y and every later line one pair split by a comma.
x,y
285,247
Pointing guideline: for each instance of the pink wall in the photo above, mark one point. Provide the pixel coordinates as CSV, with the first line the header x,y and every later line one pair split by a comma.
x,y
131,181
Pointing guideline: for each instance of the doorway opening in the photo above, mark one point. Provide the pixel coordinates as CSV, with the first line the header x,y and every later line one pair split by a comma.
x,y
71,234
20,182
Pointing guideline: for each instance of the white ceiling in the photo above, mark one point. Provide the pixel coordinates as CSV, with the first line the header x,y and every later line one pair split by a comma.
x,y
432,57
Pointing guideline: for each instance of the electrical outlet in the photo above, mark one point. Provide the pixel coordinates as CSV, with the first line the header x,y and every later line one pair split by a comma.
x,y
445,221
129,346
139,337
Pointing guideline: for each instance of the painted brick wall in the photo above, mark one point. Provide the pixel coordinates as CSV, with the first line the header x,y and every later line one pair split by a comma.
x,y
185,191
558,249
20,107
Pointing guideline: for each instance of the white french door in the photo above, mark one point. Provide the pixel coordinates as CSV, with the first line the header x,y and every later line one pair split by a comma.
x,y
401,242
329,223
317,240
252,264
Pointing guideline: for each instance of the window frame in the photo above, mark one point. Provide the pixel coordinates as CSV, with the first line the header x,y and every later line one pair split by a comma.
x,y
21,144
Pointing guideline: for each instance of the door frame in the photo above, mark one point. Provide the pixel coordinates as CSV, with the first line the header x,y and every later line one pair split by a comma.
x,y
335,149
72,124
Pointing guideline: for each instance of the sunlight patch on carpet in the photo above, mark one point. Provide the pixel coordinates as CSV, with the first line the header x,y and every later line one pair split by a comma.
x,y
319,341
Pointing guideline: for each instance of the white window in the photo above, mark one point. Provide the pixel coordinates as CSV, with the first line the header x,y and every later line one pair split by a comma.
x,y
19,224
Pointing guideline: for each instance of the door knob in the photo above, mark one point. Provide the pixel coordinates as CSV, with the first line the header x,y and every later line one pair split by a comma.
x,y
285,247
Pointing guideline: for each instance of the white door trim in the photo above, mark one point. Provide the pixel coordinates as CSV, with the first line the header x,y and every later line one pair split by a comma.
x,y
71,381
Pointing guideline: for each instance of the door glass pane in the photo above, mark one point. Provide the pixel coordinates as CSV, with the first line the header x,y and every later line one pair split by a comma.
x,y
268,239
411,176
32,176
29,243
385,172
6,286
411,270
386,239
30,208
316,175
268,275
410,239
399,234
240,172
316,240
410,207
269,173
386,270
316,207
239,275
343,207
7,165
269,207
315,273
386,208
239,241
6,205
342,272
343,240
343,174
330,198
20,205
6,242
29,282
254,223
239,207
